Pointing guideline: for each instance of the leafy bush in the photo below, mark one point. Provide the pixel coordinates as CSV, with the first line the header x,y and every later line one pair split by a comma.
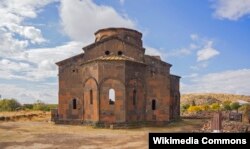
x,y
9,105
215,106
205,107
28,106
39,105
184,107
235,106
226,105
193,109
245,108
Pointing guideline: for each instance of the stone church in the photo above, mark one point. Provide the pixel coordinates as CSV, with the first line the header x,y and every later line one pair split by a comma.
x,y
115,82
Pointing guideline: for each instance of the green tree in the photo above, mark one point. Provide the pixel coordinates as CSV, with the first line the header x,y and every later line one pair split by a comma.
x,y
226,105
9,105
39,105
235,106
184,107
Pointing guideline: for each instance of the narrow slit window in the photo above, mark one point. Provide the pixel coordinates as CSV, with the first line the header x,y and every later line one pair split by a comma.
x,y
153,104
119,53
111,96
91,96
74,103
134,97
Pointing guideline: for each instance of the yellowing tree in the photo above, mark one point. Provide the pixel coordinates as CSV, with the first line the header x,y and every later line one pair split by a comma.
x,y
215,106
193,109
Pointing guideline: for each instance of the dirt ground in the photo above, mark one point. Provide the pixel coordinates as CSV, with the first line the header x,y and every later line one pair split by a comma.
x,y
43,135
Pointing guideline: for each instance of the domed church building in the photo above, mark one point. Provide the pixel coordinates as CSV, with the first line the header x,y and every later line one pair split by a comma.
x,y
114,82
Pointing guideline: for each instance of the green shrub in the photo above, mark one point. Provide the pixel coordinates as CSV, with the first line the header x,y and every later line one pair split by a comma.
x,y
245,108
39,105
9,105
235,106
28,106
226,105
184,107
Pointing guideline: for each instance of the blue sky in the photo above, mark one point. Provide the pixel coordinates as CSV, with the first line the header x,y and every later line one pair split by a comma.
x,y
206,41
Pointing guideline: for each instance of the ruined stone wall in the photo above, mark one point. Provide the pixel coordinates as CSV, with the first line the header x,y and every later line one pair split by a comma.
x,y
89,77
70,88
112,76
135,92
175,97
158,89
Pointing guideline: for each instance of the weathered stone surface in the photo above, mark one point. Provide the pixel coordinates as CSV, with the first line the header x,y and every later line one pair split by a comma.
x,y
145,91
227,126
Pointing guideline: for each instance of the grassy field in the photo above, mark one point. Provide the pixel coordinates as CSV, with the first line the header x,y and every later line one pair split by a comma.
x,y
42,135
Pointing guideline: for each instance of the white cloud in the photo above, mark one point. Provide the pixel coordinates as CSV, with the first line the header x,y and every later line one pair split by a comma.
x,y
28,32
33,34
181,52
37,64
12,15
197,43
207,52
200,65
231,81
193,75
29,94
9,45
154,52
53,54
24,8
80,19
231,9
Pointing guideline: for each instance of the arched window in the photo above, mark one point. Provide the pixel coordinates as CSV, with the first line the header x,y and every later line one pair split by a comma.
x,y
153,104
74,103
91,96
134,97
111,96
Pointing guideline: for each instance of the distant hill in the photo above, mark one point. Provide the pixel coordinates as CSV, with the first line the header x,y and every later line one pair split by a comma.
x,y
208,98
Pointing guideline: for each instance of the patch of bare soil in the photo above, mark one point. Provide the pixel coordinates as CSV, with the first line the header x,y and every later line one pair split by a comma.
x,y
45,135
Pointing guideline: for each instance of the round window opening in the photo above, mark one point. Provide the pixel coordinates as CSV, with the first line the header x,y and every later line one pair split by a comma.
x,y
107,52
119,53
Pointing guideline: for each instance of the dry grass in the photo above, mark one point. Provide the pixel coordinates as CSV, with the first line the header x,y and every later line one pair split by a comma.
x,y
23,112
32,134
